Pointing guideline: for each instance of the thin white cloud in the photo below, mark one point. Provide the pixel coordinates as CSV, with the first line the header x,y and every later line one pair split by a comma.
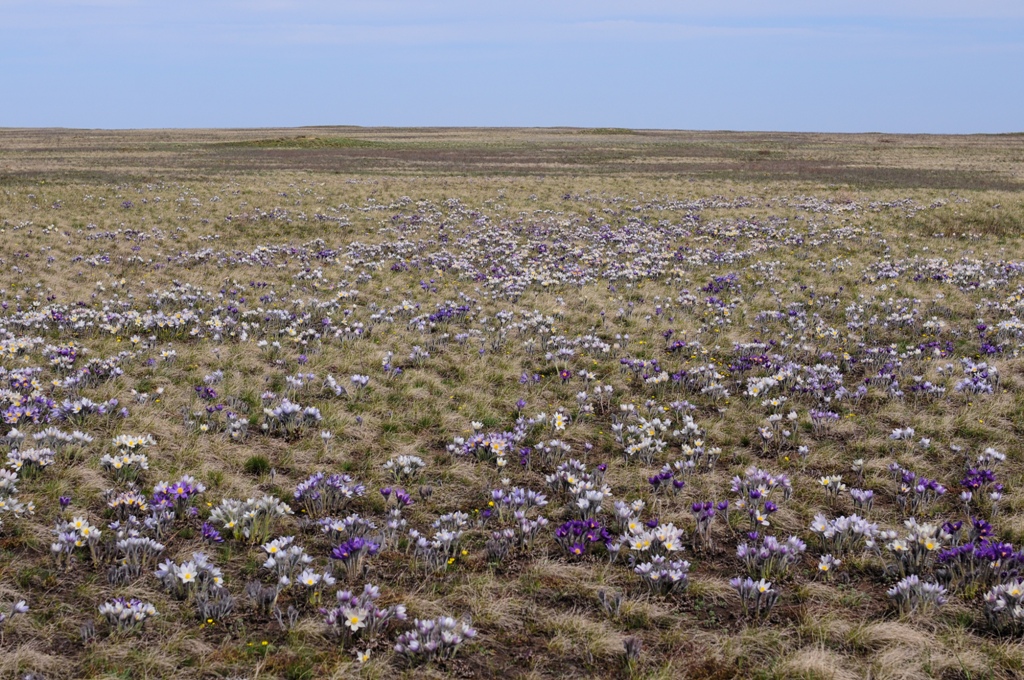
x,y
468,33
131,26
677,9
59,12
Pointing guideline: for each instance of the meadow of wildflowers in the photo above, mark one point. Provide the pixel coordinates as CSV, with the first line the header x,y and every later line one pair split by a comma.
x,y
306,424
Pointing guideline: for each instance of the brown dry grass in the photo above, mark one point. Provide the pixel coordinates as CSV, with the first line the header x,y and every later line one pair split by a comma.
x,y
539,617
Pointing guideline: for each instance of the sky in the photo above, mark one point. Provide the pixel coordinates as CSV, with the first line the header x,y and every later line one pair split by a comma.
x,y
938,66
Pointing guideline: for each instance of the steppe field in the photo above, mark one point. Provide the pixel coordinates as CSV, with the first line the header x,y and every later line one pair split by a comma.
x,y
519,403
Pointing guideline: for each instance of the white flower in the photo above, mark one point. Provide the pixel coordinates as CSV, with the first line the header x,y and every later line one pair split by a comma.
x,y
355,619
187,572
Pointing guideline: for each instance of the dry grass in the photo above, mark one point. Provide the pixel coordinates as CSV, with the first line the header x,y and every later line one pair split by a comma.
x,y
539,615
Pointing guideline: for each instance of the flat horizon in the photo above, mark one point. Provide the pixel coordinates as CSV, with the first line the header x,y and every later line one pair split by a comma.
x,y
342,126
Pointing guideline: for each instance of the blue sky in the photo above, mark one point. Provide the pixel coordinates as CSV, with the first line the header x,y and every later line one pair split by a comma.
x,y
803,65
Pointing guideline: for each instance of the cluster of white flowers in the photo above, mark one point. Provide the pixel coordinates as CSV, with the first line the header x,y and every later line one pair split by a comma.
x,y
127,443
844,535
125,465
127,615
9,502
642,440
28,462
251,519
663,539
404,467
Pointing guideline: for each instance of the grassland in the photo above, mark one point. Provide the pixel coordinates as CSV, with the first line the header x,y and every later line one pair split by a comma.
x,y
502,266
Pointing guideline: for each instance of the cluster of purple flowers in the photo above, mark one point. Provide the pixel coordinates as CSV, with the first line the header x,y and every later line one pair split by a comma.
x,y
322,494
351,555
754,490
582,537
206,392
178,495
665,479
704,515
983,561
915,493
771,558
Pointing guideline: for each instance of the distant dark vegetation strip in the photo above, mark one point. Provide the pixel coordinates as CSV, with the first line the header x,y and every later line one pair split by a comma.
x,y
606,131
305,142
365,157
894,178
886,178
22,178
524,161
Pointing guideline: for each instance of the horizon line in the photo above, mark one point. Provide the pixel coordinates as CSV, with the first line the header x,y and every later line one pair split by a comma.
x,y
610,128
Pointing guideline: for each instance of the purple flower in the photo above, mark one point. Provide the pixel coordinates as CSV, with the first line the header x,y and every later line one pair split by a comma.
x,y
211,534
205,392
402,498
354,548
